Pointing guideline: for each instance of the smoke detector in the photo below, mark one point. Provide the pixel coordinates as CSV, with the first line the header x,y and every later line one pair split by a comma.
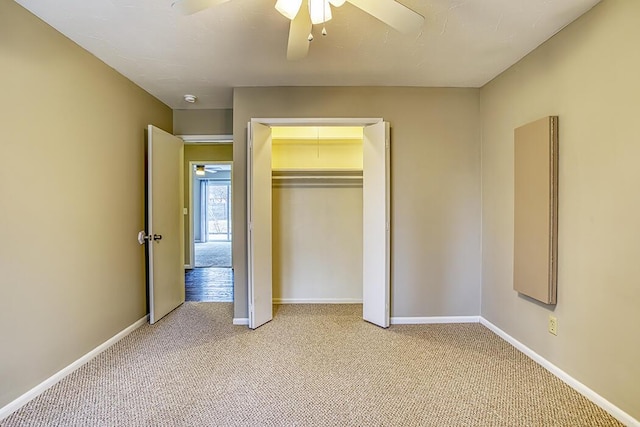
x,y
190,98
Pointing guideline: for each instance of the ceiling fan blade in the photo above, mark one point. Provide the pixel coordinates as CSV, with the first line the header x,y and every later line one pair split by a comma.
x,y
189,7
392,13
299,31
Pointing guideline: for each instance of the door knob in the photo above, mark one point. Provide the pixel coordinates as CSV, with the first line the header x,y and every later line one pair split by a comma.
x,y
142,237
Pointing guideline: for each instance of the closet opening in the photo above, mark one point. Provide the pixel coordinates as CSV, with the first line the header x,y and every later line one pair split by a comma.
x,y
318,215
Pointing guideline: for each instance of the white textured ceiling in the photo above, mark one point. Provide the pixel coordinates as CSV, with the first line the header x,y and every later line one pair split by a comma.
x,y
244,42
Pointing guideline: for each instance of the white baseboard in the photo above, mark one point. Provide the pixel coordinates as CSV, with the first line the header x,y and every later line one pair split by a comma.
x,y
612,409
241,321
40,388
433,319
317,301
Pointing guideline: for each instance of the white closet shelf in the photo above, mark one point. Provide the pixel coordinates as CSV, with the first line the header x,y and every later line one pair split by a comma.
x,y
323,142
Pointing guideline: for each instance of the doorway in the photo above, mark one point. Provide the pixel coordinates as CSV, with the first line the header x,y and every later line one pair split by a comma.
x,y
210,218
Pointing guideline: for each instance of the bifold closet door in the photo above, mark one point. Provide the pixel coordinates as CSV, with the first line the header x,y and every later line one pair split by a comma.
x,y
259,212
376,226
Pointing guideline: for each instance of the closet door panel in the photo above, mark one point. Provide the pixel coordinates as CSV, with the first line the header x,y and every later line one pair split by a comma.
x,y
259,224
376,224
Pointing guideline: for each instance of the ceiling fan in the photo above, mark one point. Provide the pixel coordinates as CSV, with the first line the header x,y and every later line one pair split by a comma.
x,y
202,170
312,12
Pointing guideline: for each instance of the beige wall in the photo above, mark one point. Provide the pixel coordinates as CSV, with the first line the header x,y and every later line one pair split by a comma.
x,y
72,271
317,243
203,122
310,154
435,204
588,76
204,153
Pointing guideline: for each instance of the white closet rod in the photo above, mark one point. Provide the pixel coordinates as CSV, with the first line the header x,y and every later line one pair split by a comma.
x,y
316,173
317,178
322,184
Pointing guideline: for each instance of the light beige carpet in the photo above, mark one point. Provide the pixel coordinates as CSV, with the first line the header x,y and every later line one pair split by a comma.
x,y
212,254
313,365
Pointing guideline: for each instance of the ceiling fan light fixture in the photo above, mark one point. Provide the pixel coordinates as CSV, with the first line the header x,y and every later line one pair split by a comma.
x,y
288,8
337,3
200,170
320,11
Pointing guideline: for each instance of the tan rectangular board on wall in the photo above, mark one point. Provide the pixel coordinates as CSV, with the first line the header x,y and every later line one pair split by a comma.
x,y
536,209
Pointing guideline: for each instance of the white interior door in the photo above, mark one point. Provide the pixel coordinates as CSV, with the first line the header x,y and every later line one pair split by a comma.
x,y
165,223
376,224
259,212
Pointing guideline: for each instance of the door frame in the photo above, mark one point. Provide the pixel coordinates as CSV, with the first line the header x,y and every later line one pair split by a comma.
x,y
192,244
271,122
317,121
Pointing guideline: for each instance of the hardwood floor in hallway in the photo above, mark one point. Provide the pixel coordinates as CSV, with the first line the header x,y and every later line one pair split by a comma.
x,y
211,284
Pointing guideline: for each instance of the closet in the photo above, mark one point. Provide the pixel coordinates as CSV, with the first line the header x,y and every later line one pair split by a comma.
x,y
318,213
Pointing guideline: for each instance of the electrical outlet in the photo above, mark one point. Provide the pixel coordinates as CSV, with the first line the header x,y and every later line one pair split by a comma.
x,y
553,325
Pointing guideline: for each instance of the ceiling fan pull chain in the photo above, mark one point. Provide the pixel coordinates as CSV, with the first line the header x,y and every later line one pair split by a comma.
x,y
324,17
310,38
